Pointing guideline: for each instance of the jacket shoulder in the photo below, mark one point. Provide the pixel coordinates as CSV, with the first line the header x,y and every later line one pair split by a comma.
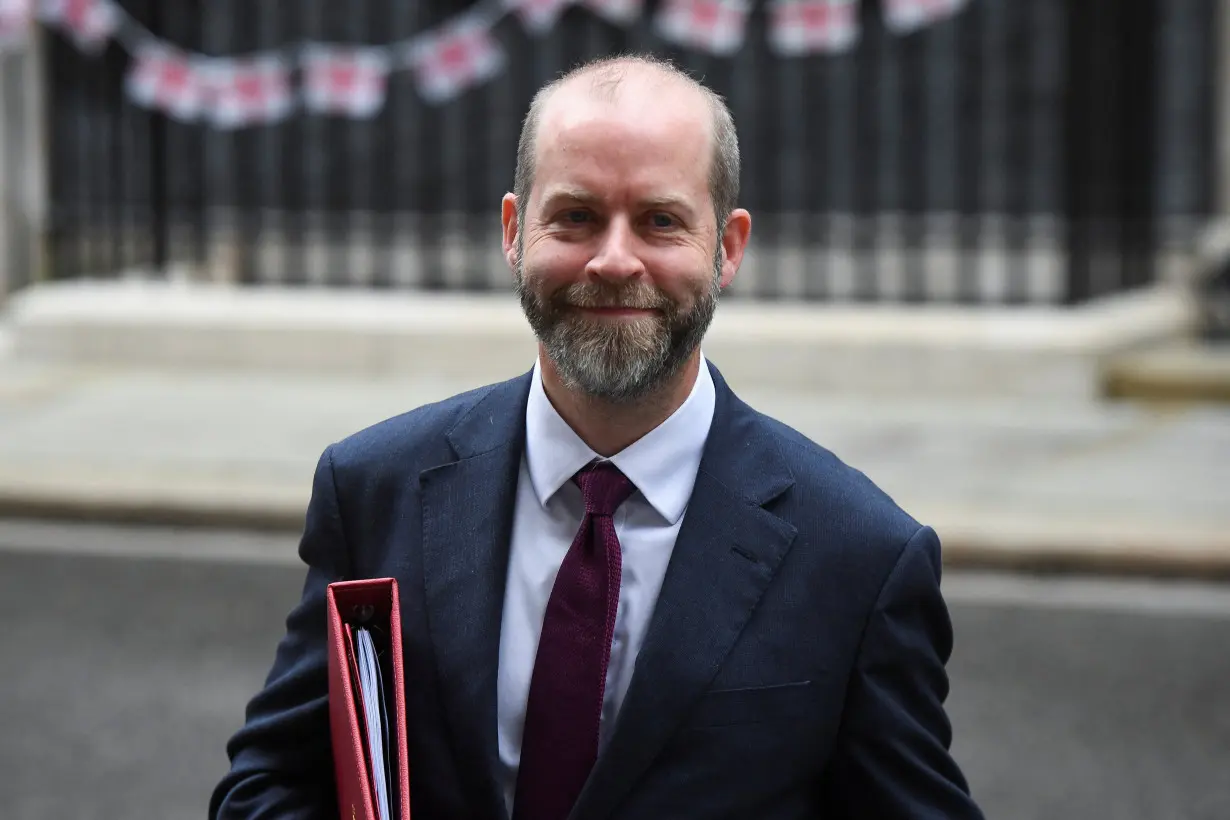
x,y
410,439
831,493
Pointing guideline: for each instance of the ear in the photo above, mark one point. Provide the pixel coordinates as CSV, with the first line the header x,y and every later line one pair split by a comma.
x,y
508,218
734,241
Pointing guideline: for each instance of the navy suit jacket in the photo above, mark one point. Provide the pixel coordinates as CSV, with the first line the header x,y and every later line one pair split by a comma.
x,y
794,666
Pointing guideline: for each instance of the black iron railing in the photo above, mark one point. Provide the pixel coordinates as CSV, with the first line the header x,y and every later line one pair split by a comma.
x,y
1023,151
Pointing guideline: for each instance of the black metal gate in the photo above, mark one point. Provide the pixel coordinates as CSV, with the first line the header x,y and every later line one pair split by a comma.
x,y
1022,151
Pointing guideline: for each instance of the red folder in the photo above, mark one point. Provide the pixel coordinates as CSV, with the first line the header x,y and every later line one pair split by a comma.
x,y
370,604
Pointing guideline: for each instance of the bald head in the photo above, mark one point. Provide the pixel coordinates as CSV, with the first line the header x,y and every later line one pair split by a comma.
x,y
638,83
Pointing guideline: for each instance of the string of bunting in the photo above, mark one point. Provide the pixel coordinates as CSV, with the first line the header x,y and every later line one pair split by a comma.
x,y
352,81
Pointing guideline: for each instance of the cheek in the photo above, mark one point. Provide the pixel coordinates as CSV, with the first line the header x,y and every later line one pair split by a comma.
x,y
682,276
555,262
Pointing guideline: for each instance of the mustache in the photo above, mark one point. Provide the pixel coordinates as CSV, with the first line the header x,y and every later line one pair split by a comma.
x,y
597,295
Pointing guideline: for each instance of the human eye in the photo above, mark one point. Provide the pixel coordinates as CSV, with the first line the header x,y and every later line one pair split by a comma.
x,y
663,221
575,216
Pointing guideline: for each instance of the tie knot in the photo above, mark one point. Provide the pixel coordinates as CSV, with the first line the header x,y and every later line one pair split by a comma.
x,y
604,488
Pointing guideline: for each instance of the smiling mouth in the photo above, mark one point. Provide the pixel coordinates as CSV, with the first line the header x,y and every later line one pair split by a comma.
x,y
616,311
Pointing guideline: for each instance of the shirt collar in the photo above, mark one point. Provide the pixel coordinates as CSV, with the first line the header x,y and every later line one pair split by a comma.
x,y
662,464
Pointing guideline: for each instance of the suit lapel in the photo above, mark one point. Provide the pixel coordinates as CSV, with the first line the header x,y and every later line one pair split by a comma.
x,y
468,509
728,550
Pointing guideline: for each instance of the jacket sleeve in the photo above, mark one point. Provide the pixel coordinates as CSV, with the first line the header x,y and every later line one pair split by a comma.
x,y
892,756
281,759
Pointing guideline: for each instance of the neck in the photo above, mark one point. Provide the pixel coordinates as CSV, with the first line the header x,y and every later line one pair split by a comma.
x,y
610,427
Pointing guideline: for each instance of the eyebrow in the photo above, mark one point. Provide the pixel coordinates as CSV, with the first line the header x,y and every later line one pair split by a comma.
x,y
571,195
667,203
584,197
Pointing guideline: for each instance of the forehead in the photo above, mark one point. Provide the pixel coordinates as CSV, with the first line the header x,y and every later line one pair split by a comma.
x,y
645,140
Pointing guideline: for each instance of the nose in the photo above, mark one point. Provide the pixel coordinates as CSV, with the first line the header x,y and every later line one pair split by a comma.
x,y
616,259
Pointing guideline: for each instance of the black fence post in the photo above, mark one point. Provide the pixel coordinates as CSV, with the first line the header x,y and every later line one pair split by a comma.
x,y
158,166
1110,164
1079,117
969,130
867,200
1139,166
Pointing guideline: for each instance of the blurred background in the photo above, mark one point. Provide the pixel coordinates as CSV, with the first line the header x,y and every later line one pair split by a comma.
x,y
989,267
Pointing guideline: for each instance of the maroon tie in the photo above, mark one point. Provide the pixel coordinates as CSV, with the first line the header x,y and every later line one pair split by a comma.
x,y
560,741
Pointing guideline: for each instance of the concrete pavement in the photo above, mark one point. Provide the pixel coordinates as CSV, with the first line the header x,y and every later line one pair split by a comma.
x,y
1008,482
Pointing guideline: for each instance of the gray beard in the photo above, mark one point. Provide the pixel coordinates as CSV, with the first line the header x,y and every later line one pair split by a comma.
x,y
617,362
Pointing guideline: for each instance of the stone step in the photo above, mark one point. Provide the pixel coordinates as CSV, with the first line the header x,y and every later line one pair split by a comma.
x,y
881,349
1175,372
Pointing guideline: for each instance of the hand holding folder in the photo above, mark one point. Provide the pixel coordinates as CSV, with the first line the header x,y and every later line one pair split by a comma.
x,y
366,678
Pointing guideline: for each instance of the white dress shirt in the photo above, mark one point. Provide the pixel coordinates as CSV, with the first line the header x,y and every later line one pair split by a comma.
x,y
549,507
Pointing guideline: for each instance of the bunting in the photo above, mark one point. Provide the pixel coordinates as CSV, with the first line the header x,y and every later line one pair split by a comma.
x,y
538,16
166,79
446,61
810,26
90,23
246,92
906,16
460,54
345,81
715,26
619,12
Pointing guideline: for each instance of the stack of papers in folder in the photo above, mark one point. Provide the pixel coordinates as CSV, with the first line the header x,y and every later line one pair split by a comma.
x,y
376,718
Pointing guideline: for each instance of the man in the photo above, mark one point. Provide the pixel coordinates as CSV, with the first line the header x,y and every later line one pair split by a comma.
x,y
625,593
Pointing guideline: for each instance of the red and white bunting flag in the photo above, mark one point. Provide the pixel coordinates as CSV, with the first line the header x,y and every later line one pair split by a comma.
x,y
248,91
620,12
716,26
538,16
809,26
904,16
167,80
15,17
349,81
89,22
454,57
